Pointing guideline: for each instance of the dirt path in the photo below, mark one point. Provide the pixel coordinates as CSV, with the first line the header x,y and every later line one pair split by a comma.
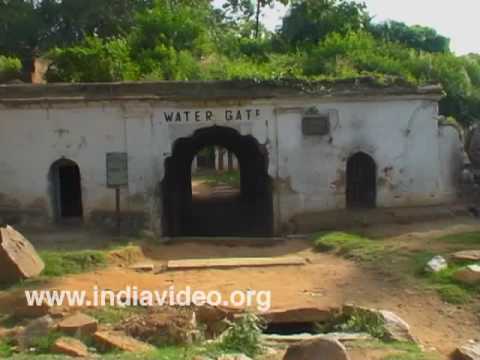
x,y
326,281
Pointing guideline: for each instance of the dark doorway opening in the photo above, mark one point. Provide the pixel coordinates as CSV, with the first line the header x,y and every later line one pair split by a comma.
x,y
67,189
248,212
361,181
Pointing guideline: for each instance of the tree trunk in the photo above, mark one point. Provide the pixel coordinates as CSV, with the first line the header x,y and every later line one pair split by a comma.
x,y
257,20
28,67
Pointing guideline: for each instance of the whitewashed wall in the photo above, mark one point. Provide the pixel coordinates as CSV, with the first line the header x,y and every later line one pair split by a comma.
x,y
416,161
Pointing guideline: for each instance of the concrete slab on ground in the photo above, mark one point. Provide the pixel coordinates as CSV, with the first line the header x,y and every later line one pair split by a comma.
x,y
233,263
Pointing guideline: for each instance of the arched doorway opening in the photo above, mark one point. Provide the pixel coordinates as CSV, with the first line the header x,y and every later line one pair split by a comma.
x,y
361,181
247,213
66,190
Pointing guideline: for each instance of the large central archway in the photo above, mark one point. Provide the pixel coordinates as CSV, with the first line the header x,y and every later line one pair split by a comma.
x,y
249,214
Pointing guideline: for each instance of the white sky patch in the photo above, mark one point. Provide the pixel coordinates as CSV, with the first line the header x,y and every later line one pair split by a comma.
x,y
458,20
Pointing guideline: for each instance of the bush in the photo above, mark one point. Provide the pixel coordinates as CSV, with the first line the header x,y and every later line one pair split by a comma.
x,y
93,60
364,322
243,336
9,68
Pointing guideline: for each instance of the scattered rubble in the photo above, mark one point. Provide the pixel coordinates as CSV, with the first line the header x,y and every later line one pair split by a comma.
x,y
162,326
215,320
318,349
437,264
468,255
18,257
116,340
78,325
468,275
40,327
468,352
70,346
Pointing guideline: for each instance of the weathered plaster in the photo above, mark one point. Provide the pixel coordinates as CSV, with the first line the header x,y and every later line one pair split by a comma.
x,y
417,162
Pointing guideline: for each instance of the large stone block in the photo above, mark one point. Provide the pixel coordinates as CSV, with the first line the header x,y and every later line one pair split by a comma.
x,y
18,258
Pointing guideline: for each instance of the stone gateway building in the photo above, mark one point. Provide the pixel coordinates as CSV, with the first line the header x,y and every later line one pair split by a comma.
x,y
68,150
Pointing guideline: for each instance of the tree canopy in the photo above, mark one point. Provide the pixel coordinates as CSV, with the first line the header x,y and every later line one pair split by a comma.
x,y
115,40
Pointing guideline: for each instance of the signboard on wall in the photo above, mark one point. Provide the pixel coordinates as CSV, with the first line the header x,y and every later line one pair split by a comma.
x,y
117,169
316,125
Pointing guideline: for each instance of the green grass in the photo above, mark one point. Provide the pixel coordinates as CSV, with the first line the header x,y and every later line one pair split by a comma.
x,y
64,263
464,239
230,178
349,245
5,349
113,315
406,264
400,350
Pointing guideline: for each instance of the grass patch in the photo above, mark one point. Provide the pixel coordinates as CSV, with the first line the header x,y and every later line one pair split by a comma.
x,y
5,350
44,344
63,263
113,315
464,239
349,245
229,178
405,264
399,350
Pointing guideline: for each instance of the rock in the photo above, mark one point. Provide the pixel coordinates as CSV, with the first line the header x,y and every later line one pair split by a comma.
x,y
472,255
12,334
396,328
142,267
468,275
289,339
318,349
234,357
213,319
18,257
70,347
437,264
468,352
78,325
40,327
115,340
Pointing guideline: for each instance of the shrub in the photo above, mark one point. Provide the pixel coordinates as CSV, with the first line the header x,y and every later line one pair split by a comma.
x,y
244,336
93,60
9,68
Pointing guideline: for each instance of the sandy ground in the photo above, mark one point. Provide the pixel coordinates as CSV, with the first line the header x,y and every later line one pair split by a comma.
x,y
326,281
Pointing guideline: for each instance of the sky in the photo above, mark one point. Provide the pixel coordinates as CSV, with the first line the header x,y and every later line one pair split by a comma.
x,y
458,20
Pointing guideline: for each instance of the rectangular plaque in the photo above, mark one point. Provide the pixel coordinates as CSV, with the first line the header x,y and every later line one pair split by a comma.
x,y
117,169
316,125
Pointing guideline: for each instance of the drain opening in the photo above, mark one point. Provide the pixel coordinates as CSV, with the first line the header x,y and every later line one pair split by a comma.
x,y
291,328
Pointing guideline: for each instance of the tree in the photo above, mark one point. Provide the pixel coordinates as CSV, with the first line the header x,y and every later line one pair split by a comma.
x,y
93,60
417,37
249,9
28,27
310,21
